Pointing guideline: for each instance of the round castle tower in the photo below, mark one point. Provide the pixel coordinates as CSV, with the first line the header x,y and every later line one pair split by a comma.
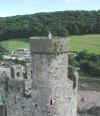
x,y
53,93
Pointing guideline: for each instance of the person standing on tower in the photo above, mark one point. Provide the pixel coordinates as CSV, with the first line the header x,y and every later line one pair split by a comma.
x,y
50,36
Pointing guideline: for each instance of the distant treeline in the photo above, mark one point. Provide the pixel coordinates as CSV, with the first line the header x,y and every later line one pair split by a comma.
x,y
60,23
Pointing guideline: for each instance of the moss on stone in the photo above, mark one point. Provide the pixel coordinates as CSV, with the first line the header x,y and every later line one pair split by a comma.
x,y
58,47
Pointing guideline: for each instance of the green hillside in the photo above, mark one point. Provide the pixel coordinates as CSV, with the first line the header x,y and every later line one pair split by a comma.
x,y
91,43
60,23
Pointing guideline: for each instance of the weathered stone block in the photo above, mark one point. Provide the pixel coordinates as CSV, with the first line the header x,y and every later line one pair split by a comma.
x,y
44,45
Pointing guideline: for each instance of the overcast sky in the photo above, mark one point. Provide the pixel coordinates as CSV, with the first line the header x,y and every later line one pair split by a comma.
x,y
20,7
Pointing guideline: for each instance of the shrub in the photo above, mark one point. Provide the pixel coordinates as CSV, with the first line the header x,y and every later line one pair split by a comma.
x,y
88,63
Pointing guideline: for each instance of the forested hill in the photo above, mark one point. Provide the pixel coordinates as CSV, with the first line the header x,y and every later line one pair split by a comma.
x,y
60,23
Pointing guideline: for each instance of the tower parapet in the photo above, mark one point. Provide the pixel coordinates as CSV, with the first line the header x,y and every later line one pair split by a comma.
x,y
52,91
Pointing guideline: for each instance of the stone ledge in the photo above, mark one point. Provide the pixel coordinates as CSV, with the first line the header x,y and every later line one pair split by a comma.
x,y
43,45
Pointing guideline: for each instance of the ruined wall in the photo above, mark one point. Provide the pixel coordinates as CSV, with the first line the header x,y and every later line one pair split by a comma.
x,y
53,92
5,70
12,94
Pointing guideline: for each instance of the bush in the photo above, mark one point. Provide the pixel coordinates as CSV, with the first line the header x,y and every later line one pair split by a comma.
x,y
73,62
16,61
91,68
88,63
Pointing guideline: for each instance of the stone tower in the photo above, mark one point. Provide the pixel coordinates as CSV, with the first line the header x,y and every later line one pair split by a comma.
x,y
53,92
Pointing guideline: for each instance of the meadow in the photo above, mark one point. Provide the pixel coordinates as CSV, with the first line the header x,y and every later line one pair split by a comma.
x,y
90,43
15,44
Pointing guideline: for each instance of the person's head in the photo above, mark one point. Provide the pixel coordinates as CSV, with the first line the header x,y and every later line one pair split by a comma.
x,y
49,32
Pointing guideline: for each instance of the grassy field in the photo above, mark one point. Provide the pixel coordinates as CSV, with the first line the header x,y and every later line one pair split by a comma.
x,y
91,43
15,44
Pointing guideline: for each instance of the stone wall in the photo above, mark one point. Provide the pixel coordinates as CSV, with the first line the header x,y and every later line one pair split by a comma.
x,y
50,92
54,94
12,91
5,71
